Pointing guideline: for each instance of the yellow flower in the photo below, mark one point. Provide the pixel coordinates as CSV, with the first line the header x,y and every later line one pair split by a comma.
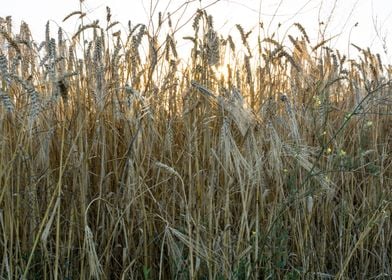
x,y
329,150
317,100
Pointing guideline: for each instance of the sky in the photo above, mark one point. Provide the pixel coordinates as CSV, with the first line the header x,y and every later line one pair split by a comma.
x,y
365,23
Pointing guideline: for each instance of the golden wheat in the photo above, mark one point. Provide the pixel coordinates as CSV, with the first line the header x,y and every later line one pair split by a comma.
x,y
221,165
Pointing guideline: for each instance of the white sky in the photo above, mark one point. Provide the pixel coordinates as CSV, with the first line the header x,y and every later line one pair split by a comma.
x,y
371,16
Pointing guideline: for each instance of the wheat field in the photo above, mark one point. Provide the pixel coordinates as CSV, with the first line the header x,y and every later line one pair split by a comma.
x,y
122,159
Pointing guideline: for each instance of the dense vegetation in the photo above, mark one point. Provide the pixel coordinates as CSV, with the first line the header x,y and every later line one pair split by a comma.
x,y
119,159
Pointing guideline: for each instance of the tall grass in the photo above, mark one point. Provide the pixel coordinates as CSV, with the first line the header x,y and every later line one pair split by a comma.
x,y
119,159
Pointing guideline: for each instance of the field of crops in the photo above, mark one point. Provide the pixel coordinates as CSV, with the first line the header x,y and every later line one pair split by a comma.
x,y
122,159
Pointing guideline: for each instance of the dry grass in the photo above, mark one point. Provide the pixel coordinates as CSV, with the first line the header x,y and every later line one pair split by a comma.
x,y
119,161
